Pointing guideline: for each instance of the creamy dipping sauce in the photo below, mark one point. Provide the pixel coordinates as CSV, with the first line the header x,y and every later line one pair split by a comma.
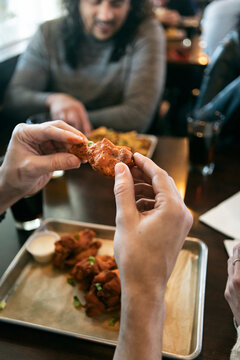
x,y
42,245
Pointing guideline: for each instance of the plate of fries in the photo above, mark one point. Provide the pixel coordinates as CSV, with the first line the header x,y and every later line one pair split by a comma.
x,y
142,143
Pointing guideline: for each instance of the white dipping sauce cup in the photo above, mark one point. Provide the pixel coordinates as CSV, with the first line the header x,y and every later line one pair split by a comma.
x,y
41,245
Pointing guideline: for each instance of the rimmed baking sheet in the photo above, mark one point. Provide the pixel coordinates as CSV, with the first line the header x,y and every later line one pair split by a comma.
x,y
39,296
153,143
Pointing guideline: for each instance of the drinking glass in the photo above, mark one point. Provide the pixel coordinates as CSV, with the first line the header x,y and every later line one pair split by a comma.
x,y
203,136
28,211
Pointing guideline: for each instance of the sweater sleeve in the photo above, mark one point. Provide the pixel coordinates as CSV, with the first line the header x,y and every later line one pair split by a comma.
x,y
143,88
26,93
235,353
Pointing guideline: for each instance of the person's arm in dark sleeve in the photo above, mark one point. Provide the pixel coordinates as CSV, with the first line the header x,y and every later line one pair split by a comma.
x,y
26,93
222,70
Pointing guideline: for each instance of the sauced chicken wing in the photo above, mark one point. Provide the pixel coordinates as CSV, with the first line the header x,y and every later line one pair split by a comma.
x,y
74,247
104,155
81,150
104,294
85,270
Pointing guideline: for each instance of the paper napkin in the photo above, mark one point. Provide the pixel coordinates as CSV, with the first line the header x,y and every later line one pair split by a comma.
x,y
225,217
229,245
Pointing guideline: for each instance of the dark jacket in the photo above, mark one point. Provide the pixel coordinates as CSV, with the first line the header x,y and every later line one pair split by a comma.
x,y
220,89
184,7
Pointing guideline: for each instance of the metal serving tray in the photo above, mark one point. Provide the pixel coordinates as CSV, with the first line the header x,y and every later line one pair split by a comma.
x,y
153,143
24,308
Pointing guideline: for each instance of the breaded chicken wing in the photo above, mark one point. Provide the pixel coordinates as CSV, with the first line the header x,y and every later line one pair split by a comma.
x,y
74,247
104,294
85,270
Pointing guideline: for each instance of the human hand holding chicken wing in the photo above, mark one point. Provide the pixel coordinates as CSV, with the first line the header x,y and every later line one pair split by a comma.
x,y
146,246
34,152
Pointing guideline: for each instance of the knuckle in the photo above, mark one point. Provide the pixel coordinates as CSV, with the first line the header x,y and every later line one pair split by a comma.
x,y
50,125
57,123
119,188
55,163
178,210
175,206
119,218
19,129
236,282
227,294
189,218
230,289
236,251
122,219
164,173
159,174
25,168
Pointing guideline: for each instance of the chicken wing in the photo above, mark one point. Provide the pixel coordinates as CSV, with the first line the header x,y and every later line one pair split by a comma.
x,y
103,155
85,270
104,294
74,247
80,150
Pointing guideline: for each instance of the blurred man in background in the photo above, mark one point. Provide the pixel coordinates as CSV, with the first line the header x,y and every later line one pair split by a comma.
x,y
101,64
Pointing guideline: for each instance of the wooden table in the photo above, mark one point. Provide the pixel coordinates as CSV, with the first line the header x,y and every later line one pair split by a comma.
x,y
84,195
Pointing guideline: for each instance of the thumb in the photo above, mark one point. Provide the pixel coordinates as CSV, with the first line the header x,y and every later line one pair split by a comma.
x,y
124,194
59,161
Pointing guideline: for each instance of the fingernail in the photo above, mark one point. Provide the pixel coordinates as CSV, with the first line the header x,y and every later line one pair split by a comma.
x,y
74,140
119,169
73,161
137,154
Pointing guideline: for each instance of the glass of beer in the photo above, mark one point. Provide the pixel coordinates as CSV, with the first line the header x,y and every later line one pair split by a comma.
x,y
203,136
28,211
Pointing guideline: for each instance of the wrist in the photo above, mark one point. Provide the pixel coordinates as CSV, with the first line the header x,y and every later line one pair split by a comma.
x,y
143,306
8,195
147,299
141,327
135,288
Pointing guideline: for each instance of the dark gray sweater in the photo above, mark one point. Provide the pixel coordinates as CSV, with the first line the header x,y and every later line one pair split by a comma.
x,y
122,94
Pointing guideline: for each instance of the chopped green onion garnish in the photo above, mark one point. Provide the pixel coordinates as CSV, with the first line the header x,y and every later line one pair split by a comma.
x,y
2,304
71,282
98,286
76,236
90,143
91,259
76,302
112,321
